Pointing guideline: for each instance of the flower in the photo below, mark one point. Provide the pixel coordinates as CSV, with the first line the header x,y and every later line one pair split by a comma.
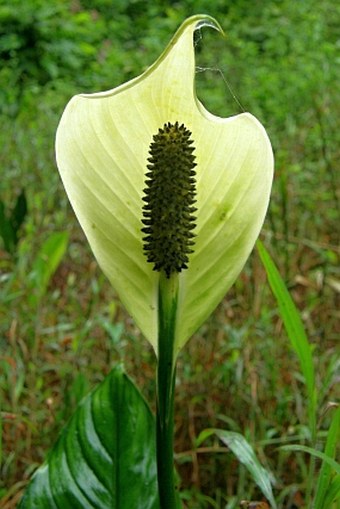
x,y
102,148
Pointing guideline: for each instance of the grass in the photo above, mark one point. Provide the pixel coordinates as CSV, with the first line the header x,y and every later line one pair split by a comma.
x,y
238,372
81,332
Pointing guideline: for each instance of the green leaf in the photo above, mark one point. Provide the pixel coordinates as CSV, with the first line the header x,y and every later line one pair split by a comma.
x,y
333,493
295,330
46,263
325,475
246,455
314,452
328,488
105,457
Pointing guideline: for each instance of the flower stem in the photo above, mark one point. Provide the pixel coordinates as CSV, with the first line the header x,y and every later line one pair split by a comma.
x,y
166,374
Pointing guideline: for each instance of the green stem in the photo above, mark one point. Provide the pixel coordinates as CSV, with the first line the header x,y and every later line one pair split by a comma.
x,y
166,370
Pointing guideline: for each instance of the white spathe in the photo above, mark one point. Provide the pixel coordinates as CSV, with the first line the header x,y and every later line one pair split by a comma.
x,y
102,148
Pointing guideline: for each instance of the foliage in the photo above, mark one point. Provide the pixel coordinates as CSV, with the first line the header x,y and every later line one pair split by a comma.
x,y
113,455
279,59
295,331
300,344
245,454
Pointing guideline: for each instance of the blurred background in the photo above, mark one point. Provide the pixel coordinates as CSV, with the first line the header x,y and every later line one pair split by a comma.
x,y
61,325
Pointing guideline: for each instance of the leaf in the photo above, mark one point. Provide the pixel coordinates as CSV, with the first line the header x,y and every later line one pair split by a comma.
x,y
325,475
105,457
314,452
46,263
328,489
333,493
246,455
295,330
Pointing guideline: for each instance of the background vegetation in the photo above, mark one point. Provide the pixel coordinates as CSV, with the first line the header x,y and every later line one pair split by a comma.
x,y
61,325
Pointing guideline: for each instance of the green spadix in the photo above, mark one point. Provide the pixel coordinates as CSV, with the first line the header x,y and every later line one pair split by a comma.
x,y
103,146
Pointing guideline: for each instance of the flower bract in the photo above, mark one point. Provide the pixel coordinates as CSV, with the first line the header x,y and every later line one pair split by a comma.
x,y
102,149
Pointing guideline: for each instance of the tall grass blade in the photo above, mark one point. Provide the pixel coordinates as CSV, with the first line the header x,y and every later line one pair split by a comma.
x,y
325,475
295,331
314,452
333,494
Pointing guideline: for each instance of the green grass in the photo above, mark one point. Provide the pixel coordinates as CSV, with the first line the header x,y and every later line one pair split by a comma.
x,y
239,371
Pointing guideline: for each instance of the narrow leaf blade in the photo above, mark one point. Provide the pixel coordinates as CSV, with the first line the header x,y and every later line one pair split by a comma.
x,y
314,452
295,330
333,492
325,474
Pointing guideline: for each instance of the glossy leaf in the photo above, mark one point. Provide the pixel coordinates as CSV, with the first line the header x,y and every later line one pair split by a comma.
x,y
105,456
